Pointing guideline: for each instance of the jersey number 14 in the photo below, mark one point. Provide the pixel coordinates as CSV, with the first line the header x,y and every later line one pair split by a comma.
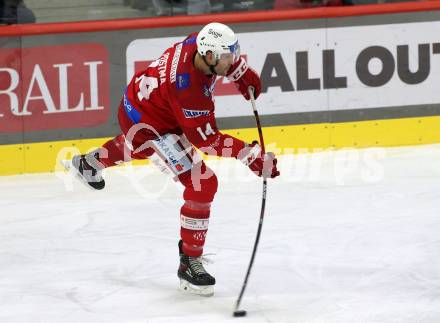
x,y
208,131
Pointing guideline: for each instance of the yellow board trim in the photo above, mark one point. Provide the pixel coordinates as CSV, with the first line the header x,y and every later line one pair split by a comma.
x,y
45,156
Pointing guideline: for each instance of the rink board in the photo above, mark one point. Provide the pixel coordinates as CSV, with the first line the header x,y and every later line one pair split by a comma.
x,y
326,82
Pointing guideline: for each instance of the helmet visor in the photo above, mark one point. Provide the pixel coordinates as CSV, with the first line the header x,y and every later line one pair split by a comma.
x,y
233,55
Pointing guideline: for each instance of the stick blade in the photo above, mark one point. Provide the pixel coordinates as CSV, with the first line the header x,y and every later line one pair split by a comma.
x,y
239,313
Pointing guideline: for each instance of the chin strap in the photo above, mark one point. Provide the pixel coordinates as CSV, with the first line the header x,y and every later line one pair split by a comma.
x,y
211,67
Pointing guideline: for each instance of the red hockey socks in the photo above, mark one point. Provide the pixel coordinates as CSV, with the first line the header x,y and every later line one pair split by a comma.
x,y
116,151
198,195
194,220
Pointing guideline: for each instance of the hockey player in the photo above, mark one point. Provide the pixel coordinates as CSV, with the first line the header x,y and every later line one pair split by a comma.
x,y
166,111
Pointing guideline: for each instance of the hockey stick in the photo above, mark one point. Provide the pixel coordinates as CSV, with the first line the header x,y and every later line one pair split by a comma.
x,y
237,312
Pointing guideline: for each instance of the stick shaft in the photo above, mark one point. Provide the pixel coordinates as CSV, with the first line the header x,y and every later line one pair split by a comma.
x,y
263,204
257,119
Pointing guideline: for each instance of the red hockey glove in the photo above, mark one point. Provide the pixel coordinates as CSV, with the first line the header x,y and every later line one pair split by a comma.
x,y
262,165
244,76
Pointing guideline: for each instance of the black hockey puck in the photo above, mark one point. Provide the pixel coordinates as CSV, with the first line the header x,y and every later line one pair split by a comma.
x,y
240,313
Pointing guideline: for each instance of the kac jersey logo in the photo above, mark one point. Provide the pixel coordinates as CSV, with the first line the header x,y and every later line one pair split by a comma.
x,y
195,113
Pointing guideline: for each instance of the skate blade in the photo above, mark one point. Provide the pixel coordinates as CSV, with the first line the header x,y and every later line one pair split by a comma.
x,y
67,164
189,288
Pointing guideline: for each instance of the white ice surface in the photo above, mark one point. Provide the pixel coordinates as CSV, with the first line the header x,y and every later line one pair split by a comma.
x,y
352,236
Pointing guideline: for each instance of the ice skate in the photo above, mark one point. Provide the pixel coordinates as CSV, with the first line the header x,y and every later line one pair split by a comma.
x,y
193,277
87,169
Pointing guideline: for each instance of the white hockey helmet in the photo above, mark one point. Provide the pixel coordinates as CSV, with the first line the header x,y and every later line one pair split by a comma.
x,y
220,40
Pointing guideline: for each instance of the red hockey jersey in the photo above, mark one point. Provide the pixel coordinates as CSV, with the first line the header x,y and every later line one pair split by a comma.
x,y
172,96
